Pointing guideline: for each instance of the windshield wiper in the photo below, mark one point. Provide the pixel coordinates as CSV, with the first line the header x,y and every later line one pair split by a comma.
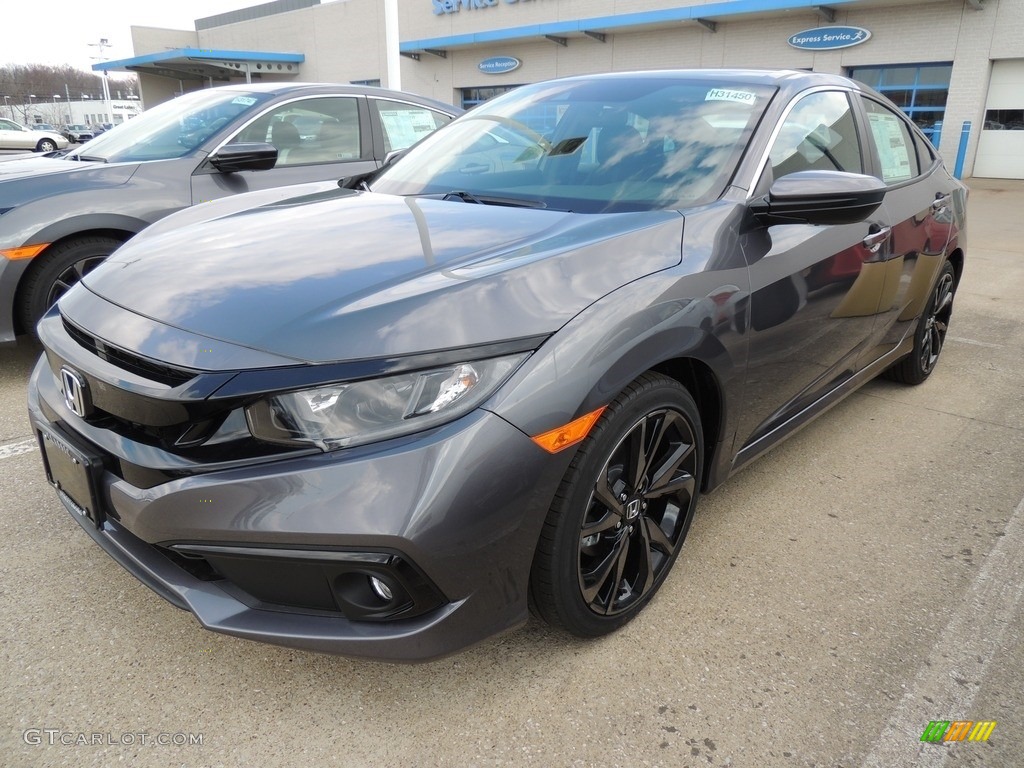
x,y
91,158
510,202
464,196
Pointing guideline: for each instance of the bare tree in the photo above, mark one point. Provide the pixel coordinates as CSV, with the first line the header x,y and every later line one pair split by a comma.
x,y
23,84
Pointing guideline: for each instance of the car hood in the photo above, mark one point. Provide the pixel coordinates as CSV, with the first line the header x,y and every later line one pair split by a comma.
x,y
342,275
21,166
23,180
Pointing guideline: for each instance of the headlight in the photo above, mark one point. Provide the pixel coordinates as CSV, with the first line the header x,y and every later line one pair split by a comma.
x,y
343,415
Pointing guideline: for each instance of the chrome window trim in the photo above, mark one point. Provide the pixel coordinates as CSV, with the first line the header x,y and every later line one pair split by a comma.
x,y
278,104
307,97
763,162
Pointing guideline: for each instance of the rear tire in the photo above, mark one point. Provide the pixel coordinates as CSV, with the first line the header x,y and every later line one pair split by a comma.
x,y
930,334
55,271
622,511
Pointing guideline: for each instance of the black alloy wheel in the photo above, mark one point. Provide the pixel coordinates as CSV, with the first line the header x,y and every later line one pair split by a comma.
x,y
930,335
936,323
623,510
56,271
71,275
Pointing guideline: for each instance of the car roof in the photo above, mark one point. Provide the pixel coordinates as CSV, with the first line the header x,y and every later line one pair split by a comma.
x,y
283,89
789,79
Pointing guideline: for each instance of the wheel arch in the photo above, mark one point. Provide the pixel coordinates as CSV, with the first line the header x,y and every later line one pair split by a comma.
x,y
89,225
121,229
956,258
704,387
695,359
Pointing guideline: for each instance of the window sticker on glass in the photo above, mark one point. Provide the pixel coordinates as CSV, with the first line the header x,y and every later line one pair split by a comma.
x,y
727,94
245,101
892,149
406,126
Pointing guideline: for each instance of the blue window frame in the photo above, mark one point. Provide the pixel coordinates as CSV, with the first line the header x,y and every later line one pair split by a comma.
x,y
920,90
473,96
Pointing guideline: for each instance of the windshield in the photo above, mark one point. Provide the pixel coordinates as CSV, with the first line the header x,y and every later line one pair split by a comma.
x,y
171,129
589,145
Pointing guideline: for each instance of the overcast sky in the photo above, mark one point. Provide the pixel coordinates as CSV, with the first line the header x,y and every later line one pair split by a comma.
x,y
59,31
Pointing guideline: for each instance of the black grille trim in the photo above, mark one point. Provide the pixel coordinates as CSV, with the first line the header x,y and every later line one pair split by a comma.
x,y
164,374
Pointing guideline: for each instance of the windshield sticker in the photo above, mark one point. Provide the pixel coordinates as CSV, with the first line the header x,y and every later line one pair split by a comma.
x,y
245,101
727,94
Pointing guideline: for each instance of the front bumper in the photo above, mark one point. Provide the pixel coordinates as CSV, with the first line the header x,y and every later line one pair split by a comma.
x,y
462,505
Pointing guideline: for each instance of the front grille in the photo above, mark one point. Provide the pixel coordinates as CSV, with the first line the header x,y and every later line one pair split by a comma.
x,y
125,360
183,423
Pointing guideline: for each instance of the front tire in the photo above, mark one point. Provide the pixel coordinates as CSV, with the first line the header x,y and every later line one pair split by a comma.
x,y
55,271
622,511
46,145
930,334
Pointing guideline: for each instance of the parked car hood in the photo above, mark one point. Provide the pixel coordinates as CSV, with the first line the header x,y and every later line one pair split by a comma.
x,y
342,275
23,180
21,166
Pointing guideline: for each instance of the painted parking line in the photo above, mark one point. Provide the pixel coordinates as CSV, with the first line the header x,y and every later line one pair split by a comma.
x,y
959,660
975,343
18,448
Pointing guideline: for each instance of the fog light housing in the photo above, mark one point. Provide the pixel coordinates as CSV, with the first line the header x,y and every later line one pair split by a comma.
x,y
371,593
360,585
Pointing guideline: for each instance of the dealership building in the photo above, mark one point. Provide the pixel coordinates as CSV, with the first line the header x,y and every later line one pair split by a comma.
x,y
955,66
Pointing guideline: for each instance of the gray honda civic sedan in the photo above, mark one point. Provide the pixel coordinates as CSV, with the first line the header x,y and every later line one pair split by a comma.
x,y
61,216
389,417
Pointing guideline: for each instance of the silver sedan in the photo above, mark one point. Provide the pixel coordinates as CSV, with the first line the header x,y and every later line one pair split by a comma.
x,y
16,136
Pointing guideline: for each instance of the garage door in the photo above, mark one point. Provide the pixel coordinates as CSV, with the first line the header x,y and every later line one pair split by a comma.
x,y
1001,146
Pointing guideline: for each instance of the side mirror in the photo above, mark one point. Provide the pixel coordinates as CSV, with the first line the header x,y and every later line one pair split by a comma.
x,y
255,156
354,182
392,156
820,197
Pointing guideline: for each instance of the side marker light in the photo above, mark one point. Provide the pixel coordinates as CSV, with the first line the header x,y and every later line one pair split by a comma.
x,y
569,434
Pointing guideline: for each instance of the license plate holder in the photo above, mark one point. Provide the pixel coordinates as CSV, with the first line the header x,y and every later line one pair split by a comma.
x,y
73,472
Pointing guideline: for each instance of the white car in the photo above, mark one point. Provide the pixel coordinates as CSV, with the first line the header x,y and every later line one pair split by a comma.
x,y
15,136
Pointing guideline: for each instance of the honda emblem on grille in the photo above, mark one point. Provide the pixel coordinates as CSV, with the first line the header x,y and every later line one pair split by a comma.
x,y
76,395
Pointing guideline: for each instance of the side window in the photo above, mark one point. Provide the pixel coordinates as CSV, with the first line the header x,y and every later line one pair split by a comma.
x,y
405,124
819,134
891,135
322,130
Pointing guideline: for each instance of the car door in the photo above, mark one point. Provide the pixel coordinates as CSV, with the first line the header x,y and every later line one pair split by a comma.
x,y
318,138
814,289
918,212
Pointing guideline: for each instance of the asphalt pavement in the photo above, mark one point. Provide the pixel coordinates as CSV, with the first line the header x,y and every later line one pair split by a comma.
x,y
859,581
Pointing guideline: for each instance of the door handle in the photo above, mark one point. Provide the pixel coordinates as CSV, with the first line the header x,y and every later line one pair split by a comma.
x,y
873,242
941,201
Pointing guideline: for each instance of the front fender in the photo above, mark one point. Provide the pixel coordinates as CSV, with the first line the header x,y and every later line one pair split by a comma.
x,y
88,222
649,322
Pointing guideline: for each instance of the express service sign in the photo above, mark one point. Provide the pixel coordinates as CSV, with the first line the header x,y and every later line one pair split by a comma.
x,y
829,38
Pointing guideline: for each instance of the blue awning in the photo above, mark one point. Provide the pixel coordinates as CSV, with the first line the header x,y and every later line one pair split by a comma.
x,y
207,63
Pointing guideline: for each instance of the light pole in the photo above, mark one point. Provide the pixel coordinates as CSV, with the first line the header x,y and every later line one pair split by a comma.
x,y
56,109
102,45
